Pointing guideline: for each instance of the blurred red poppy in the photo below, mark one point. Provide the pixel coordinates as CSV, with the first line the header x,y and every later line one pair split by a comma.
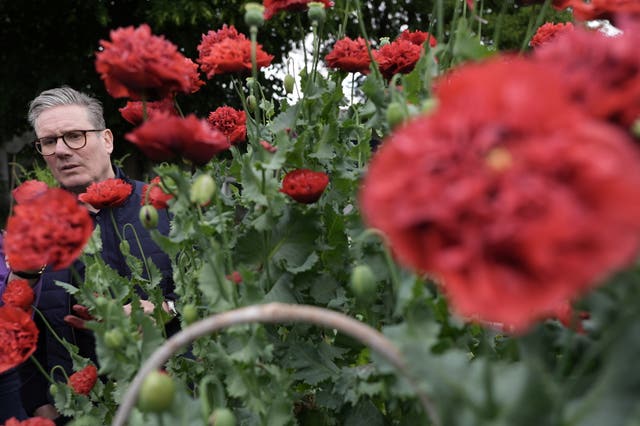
x,y
139,65
18,337
304,185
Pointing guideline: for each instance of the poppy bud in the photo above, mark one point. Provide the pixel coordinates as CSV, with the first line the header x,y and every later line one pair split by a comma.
x,y
254,14
289,83
252,103
149,216
363,283
202,190
395,114
190,314
222,417
156,393
316,12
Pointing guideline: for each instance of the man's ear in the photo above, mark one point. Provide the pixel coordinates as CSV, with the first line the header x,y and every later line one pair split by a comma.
x,y
107,136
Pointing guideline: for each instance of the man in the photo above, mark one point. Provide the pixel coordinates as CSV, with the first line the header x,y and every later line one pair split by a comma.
x,y
76,145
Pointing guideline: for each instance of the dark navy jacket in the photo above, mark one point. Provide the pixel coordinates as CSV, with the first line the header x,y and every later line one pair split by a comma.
x,y
55,303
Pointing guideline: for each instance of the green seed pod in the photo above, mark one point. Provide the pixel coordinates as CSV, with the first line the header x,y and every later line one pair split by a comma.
x,y
202,190
395,114
363,284
190,314
222,417
384,40
316,12
289,83
114,338
254,14
149,216
156,393
252,103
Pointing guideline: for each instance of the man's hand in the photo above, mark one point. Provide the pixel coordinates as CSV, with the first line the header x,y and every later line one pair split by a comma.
x,y
82,316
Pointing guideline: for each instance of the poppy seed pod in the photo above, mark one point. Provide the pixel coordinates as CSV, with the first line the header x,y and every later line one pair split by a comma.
x,y
149,216
202,190
316,12
254,14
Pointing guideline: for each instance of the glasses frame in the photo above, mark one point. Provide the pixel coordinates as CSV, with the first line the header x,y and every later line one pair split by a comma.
x,y
38,145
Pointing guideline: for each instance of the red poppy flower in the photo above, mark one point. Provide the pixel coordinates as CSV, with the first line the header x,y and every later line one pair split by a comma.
x,y
418,37
397,57
305,186
231,122
84,380
349,55
106,194
268,147
133,111
154,194
163,137
51,229
18,337
548,32
28,190
512,210
137,64
235,277
602,9
272,7
227,51
32,421
601,72
19,294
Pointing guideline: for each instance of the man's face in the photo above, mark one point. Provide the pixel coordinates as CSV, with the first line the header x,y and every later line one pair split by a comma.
x,y
75,169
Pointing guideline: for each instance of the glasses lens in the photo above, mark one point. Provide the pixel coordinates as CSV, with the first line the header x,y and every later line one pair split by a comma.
x,y
74,139
46,146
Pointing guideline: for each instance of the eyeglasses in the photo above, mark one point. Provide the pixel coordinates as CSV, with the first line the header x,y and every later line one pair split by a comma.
x,y
74,139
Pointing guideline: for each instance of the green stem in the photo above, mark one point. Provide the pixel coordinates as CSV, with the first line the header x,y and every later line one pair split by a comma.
x,y
115,225
68,346
533,27
254,90
142,256
42,370
363,30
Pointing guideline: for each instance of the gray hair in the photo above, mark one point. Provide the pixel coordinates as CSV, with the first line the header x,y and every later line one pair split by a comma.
x,y
66,96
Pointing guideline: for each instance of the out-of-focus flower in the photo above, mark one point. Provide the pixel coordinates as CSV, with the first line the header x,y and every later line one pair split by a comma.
x,y
32,421
528,211
601,72
84,380
164,137
134,114
235,277
304,185
18,337
548,32
272,7
231,122
349,55
154,194
227,51
602,9
397,57
29,190
106,194
19,294
418,37
268,147
51,229
137,64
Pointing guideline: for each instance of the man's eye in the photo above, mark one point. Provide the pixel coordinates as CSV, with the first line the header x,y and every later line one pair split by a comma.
x,y
47,141
73,136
